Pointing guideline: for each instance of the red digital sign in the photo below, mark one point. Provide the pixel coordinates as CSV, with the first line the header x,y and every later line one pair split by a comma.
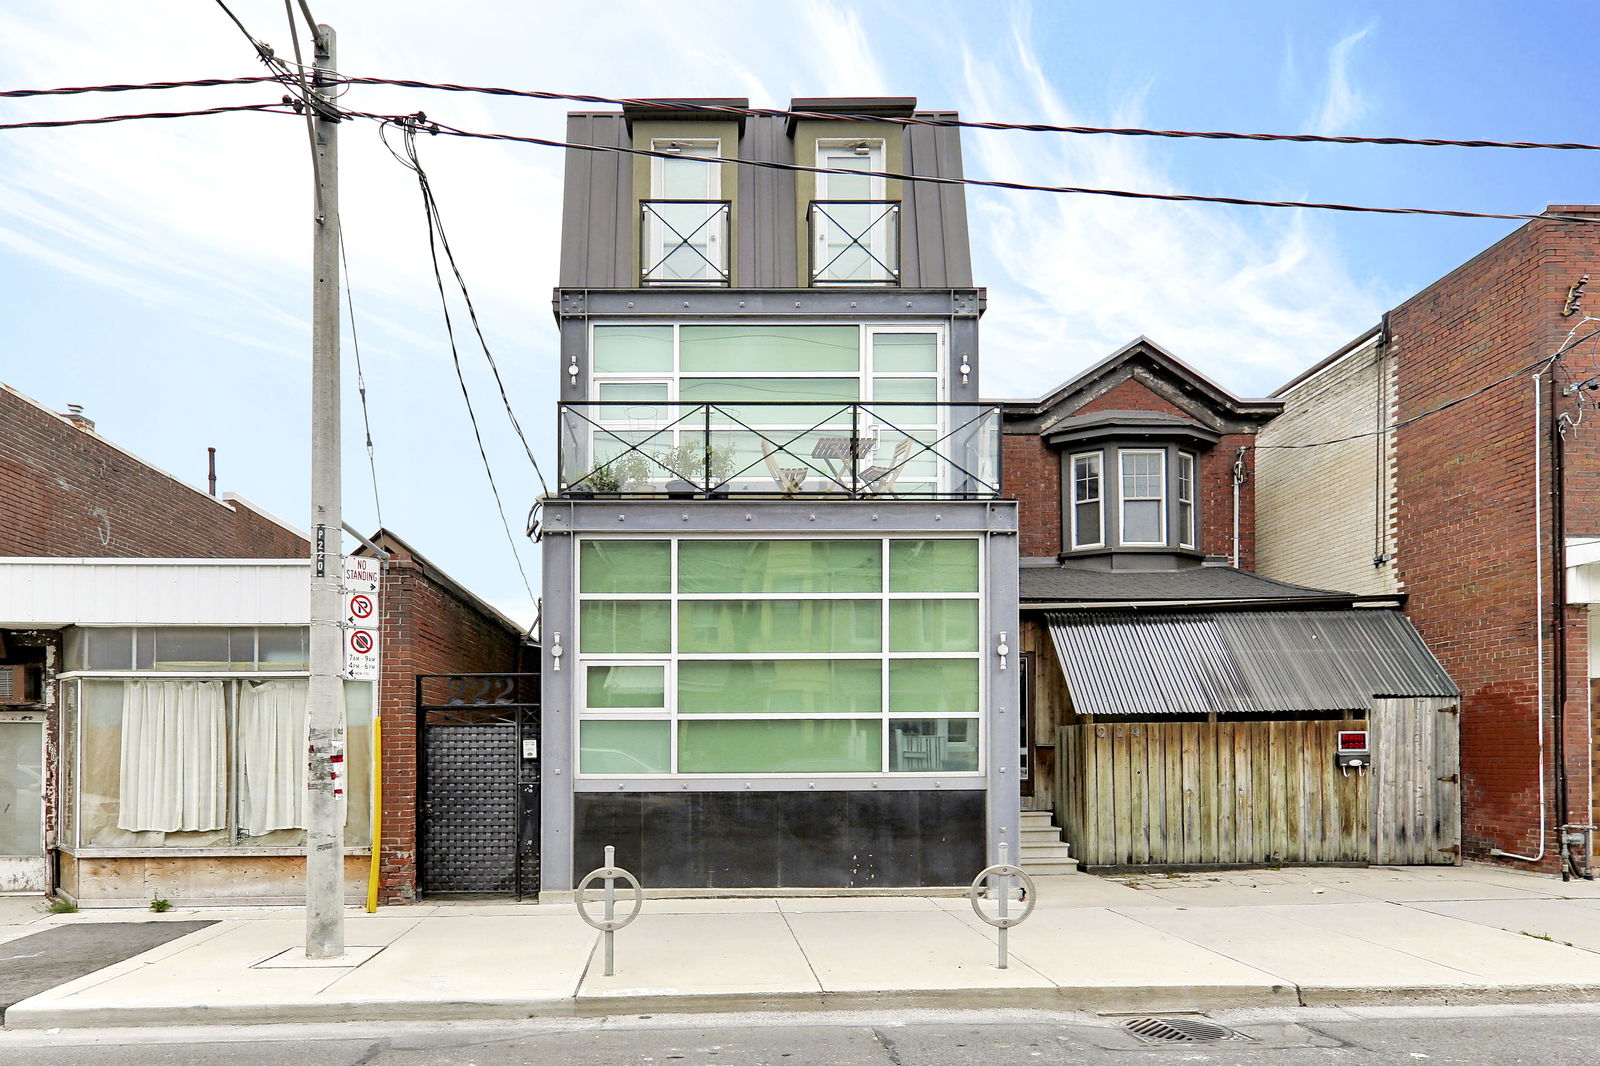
x,y
1353,740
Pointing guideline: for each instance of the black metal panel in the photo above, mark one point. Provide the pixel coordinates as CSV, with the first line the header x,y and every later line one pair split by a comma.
x,y
784,839
471,809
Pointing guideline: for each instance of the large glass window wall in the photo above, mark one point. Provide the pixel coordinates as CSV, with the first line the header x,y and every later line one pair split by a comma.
x,y
745,657
196,738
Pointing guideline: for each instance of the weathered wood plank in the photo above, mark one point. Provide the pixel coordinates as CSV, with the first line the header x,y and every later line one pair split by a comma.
x,y
1447,764
1121,795
1138,809
1244,737
1313,785
1155,783
1189,772
1285,816
1223,755
1206,792
1100,796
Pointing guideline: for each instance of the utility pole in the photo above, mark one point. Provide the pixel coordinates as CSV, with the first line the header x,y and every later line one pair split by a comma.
x,y
325,798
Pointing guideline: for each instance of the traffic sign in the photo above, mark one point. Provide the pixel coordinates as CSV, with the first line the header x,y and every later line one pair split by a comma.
x,y
363,618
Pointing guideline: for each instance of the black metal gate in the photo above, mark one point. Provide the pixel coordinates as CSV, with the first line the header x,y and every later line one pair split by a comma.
x,y
478,784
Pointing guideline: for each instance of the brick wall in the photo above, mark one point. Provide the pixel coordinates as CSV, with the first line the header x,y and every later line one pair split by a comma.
x,y
1131,395
1031,472
428,628
66,491
1466,534
1326,512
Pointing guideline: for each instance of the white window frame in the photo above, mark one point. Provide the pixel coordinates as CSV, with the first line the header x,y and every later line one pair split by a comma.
x,y
1188,527
884,656
697,148
1074,500
828,151
1160,499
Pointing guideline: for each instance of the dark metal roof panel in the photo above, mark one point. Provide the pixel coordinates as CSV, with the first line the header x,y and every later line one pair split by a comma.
x,y
1141,664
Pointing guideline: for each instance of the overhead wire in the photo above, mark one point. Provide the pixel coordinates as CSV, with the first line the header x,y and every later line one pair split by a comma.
x,y
100,120
434,242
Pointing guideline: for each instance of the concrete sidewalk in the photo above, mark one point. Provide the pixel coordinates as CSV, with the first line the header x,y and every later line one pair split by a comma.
x,y
1318,937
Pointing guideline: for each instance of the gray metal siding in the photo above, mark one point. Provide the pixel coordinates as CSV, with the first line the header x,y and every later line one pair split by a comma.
x,y
597,206
1262,662
766,239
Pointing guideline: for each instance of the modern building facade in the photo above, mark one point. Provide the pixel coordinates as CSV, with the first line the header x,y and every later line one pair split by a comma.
x,y
1454,461
779,581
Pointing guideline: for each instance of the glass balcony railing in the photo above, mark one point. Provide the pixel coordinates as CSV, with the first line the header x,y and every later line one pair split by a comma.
x,y
855,242
785,450
683,242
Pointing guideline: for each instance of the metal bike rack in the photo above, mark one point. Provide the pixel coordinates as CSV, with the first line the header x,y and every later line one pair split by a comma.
x,y
1004,872
609,924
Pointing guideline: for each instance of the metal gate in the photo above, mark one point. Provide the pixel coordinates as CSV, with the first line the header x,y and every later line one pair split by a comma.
x,y
478,784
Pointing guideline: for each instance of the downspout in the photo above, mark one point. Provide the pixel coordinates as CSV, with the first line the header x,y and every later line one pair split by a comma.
x,y
1538,614
1238,480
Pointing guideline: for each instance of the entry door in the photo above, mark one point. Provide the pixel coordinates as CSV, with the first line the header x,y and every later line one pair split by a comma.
x,y
1416,786
479,784
22,860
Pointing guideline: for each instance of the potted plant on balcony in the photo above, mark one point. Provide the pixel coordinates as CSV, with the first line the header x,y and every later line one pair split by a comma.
x,y
627,473
693,461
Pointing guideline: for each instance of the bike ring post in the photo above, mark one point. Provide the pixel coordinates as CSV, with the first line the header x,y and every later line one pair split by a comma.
x,y
1004,871
610,923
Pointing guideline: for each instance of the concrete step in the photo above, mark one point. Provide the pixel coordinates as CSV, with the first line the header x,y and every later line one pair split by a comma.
x,y
1032,818
1035,835
1067,866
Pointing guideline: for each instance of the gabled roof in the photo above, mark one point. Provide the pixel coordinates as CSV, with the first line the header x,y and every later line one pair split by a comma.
x,y
1158,369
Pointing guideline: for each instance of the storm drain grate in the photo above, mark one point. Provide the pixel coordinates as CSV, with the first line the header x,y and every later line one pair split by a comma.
x,y
1180,1031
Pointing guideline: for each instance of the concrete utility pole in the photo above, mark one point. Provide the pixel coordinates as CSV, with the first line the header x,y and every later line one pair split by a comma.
x,y
325,799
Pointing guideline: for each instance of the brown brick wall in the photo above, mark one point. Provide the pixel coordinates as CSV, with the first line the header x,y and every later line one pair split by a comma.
x,y
1031,472
1131,395
1465,540
427,629
65,492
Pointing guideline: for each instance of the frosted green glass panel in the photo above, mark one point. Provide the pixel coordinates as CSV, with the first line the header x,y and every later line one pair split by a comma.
x,y
801,566
645,402
627,686
779,745
792,686
933,566
628,627
625,566
899,353
780,626
731,395
632,349
894,393
783,349
933,685
624,747
933,745
21,785
933,625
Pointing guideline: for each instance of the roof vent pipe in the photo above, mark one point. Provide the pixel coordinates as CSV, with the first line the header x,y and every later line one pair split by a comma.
x,y
76,416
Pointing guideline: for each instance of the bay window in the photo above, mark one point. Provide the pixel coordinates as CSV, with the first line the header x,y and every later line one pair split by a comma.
x,y
1148,502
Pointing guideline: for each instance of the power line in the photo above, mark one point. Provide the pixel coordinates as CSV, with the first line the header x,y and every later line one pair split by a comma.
x,y
923,120
361,378
271,109
434,233
831,116
433,126
1542,364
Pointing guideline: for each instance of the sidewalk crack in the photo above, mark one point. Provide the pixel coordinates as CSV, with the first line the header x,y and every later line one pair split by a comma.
x,y
800,948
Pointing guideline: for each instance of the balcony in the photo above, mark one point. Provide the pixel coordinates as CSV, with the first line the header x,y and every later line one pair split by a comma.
x,y
683,242
793,450
855,242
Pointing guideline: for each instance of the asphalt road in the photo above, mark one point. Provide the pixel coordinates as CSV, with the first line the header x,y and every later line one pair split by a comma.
x,y
1482,1036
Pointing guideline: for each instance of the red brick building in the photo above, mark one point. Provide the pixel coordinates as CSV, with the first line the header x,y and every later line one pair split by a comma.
x,y
1461,509
124,590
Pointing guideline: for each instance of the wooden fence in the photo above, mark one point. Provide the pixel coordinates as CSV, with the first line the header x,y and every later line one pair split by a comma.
x,y
1181,793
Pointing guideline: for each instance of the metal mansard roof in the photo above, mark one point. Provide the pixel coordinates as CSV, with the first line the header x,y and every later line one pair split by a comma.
x,y
1139,664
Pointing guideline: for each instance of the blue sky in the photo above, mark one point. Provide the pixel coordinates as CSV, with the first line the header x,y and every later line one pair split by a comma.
x,y
157,273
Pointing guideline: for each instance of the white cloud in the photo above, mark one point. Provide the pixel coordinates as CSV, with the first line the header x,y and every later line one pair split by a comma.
x,y
1249,296
1341,103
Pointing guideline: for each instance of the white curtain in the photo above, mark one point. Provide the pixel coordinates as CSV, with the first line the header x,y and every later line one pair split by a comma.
x,y
174,757
272,756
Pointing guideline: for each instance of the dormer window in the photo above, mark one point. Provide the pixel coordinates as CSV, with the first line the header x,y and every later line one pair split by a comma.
x,y
855,229
683,227
1153,506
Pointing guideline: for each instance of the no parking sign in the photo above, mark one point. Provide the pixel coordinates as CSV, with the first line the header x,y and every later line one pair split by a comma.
x,y
362,620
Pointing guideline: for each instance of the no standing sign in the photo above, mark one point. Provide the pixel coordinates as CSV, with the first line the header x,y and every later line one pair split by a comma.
x,y
360,577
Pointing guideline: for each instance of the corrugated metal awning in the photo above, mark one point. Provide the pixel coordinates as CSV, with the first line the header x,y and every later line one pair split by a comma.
x,y
1133,663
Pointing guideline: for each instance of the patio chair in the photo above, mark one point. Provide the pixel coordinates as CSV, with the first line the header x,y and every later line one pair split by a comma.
x,y
879,480
788,478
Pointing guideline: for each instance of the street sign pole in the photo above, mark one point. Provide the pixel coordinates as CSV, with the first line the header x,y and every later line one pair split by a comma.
x,y
325,695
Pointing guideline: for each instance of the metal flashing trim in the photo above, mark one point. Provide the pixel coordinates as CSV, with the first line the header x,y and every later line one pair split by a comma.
x,y
748,518
842,302
786,783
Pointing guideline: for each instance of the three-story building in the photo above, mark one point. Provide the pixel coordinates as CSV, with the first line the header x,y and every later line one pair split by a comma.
x,y
779,580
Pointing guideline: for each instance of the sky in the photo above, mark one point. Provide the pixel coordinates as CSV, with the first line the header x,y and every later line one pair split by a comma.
x,y
158,272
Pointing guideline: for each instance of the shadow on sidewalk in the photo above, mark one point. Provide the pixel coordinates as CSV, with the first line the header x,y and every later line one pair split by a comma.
x,y
41,961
